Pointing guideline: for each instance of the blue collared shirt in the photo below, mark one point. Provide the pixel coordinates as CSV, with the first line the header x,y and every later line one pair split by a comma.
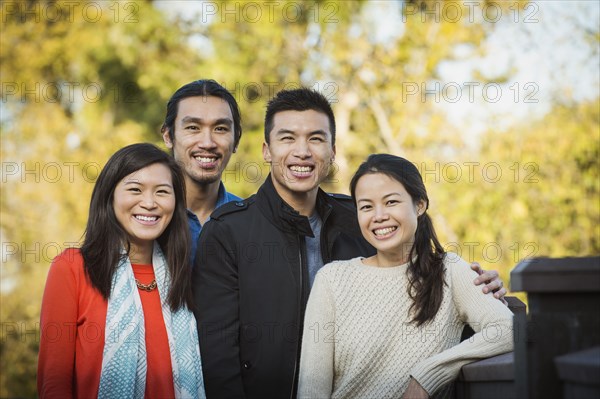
x,y
195,227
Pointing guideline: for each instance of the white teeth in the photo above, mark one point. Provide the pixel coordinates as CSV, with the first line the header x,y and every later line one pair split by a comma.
x,y
204,159
302,169
382,232
146,218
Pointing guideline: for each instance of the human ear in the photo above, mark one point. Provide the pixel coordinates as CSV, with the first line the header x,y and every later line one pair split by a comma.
x,y
167,138
421,207
266,152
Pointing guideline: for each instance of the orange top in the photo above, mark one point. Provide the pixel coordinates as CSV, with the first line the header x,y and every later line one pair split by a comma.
x,y
159,378
72,326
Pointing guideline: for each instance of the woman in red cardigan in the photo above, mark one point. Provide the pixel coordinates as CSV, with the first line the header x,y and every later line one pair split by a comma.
x,y
115,318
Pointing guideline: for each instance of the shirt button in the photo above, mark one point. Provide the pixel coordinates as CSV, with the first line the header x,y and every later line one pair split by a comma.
x,y
247,365
239,203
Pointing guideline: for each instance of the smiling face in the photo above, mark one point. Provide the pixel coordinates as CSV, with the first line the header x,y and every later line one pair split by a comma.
x,y
387,217
203,138
144,203
300,152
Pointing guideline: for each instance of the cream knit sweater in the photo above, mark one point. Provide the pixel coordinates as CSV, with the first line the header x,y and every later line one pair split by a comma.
x,y
359,343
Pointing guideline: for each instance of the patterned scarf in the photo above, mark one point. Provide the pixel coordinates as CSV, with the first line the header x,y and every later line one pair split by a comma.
x,y
124,359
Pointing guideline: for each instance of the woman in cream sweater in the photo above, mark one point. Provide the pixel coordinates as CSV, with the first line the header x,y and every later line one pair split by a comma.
x,y
389,326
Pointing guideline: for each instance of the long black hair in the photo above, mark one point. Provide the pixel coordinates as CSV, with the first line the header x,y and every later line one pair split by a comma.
x,y
105,237
426,273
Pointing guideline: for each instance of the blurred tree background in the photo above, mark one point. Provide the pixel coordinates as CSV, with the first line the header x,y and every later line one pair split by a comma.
x,y
509,175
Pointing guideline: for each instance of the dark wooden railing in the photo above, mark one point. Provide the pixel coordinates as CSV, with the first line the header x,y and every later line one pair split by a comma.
x,y
557,342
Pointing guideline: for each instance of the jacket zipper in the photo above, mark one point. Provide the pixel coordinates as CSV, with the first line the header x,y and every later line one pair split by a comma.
x,y
326,249
301,307
299,319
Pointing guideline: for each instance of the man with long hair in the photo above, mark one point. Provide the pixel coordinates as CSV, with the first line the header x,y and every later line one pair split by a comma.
x,y
202,128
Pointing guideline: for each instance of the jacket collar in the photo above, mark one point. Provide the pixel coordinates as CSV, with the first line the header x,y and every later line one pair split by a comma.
x,y
335,213
340,213
283,216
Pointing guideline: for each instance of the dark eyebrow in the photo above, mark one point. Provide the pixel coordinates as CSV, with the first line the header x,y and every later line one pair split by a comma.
x,y
199,121
164,185
284,131
138,183
191,119
384,197
316,132
224,121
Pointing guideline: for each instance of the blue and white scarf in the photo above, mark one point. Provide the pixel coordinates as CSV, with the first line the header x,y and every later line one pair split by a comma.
x,y
124,365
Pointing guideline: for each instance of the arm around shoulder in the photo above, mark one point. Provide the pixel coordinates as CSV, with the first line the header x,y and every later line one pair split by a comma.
x,y
489,318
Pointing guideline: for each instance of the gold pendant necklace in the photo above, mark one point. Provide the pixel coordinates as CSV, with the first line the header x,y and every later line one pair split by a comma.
x,y
146,287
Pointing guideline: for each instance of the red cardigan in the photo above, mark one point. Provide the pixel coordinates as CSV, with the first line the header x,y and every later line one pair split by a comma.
x,y
72,326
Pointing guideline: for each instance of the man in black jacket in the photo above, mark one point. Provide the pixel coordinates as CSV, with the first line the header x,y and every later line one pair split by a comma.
x,y
257,258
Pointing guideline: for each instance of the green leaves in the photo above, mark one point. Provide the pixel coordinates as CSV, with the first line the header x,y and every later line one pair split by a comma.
x,y
77,86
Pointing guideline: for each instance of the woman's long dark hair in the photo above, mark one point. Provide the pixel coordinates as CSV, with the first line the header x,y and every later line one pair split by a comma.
x,y
426,274
105,237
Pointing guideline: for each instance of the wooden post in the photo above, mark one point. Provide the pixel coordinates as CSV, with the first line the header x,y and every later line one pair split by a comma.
x,y
563,296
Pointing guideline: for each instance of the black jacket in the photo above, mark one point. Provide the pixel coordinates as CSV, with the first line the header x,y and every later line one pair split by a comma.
x,y
250,283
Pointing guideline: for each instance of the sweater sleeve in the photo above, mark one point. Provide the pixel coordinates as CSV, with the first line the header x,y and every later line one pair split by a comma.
x,y
58,320
318,344
489,318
